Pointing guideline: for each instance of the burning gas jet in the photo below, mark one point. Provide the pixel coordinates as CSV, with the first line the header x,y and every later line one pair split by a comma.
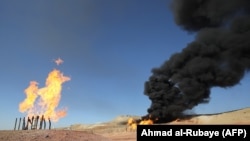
x,y
44,101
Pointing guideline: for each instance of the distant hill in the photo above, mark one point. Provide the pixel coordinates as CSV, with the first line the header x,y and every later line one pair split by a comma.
x,y
119,123
240,116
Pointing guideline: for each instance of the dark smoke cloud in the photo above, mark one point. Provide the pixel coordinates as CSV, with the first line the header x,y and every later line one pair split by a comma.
x,y
219,56
197,14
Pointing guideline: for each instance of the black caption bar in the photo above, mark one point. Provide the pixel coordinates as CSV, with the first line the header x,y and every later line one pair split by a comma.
x,y
204,132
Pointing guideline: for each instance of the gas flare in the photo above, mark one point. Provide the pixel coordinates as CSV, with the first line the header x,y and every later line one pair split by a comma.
x,y
44,101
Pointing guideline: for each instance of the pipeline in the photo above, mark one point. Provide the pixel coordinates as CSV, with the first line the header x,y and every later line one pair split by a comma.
x,y
32,123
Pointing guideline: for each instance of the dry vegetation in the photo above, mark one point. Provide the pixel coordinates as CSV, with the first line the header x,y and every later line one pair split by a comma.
x,y
116,130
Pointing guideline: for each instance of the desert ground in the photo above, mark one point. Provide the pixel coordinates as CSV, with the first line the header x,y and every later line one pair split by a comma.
x,y
117,129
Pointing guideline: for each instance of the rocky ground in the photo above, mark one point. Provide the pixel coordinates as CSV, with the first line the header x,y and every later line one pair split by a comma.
x,y
117,129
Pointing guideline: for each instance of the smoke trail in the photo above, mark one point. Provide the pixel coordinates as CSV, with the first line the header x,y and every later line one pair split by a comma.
x,y
219,56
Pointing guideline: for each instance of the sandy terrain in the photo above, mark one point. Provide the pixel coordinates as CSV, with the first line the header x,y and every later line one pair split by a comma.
x,y
116,130
49,135
241,116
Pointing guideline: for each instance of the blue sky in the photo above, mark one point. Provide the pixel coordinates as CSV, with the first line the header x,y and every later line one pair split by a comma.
x,y
108,47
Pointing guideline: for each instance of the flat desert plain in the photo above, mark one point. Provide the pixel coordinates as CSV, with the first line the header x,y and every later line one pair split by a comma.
x,y
117,129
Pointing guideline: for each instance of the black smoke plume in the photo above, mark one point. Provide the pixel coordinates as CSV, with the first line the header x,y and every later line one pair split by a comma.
x,y
219,56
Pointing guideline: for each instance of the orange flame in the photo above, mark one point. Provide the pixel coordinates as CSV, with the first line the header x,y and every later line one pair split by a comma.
x,y
44,101
146,122
58,61
132,124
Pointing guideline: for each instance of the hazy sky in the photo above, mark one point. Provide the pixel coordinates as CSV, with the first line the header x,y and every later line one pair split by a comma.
x,y
108,48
